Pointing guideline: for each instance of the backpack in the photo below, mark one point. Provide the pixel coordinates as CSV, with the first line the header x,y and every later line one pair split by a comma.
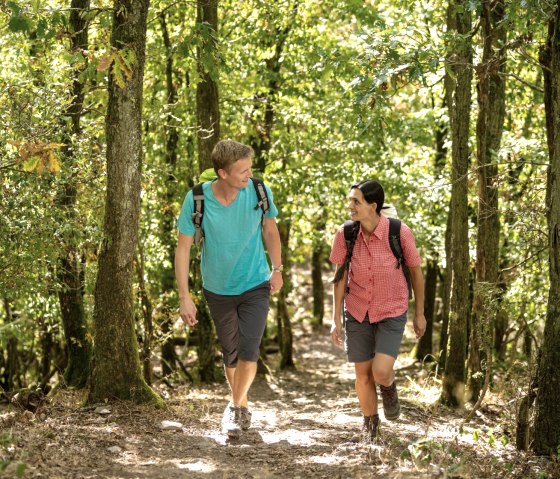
x,y
394,243
198,214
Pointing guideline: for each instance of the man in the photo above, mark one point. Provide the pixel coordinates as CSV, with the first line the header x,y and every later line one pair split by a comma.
x,y
237,281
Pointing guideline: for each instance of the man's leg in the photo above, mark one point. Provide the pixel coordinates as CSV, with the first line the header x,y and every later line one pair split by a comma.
x,y
244,374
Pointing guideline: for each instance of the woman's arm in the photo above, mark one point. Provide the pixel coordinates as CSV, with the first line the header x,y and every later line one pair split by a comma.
x,y
419,321
338,300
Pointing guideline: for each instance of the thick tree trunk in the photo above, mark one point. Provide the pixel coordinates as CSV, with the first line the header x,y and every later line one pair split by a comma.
x,y
69,273
168,230
459,101
547,406
116,372
489,127
285,336
424,347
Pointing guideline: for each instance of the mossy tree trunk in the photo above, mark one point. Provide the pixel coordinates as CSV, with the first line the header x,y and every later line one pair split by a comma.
x,y
458,100
69,273
116,371
546,440
424,348
489,128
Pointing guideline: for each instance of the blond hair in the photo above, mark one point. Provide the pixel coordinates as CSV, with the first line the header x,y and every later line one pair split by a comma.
x,y
227,152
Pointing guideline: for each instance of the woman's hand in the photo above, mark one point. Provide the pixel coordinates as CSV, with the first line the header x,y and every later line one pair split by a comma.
x,y
336,333
187,310
419,323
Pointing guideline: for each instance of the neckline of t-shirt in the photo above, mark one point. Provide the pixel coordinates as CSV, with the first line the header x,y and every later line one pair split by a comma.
x,y
213,196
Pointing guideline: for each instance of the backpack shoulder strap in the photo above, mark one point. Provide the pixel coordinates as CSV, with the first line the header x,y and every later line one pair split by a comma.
x,y
262,197
396,248
198,213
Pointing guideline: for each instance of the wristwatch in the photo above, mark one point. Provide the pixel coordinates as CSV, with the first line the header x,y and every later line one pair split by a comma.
x,y
278,269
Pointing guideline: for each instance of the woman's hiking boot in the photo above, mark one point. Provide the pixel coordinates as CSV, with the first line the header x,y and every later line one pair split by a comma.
x,y
390,397
370,428
231,421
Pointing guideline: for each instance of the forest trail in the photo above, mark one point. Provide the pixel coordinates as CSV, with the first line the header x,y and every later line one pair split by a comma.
x,y
305,425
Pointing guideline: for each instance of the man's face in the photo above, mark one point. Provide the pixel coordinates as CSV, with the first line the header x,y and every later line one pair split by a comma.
x,y
239,174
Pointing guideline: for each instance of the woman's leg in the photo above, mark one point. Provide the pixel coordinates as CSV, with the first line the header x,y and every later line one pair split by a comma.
x,y
365,387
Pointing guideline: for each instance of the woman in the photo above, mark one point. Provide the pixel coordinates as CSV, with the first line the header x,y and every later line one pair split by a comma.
x,y
375,295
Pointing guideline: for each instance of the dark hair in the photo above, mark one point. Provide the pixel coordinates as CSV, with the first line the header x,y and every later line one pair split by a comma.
x,y
373,193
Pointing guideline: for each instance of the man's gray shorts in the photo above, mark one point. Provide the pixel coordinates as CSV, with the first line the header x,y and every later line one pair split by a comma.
x,y
365,339
240,322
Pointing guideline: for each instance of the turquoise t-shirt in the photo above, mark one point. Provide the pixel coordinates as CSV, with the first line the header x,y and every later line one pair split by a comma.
x,y
233,257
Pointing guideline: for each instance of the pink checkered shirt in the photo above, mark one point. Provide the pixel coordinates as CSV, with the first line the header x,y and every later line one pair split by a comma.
x,y
377,287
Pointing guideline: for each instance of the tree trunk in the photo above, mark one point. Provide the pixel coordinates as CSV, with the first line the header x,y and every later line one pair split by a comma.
x,y
116,372
168,230
489,127
207,98
208,113
285,336
424,348
459,101
445,297
317,261
69,272
547,406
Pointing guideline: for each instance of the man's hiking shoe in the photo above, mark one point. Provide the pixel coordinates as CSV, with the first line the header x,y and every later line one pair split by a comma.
x,y
230,422
390,397
244,418
370,429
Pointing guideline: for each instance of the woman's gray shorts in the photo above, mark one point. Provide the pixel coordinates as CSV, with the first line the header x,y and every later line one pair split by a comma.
x,y
365,339
240,321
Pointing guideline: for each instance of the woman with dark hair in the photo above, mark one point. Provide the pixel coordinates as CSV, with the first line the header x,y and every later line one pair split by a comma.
x,y
374,292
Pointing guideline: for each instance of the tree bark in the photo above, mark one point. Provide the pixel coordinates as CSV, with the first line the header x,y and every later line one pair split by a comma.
x,y
285,336
489,128
116,372
70,295
547,406
424,347
168,355
207,94
208,114
459,101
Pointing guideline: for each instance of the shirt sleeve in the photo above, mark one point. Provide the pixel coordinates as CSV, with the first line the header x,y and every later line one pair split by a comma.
x,y
338,251
272,210
411,255
185,222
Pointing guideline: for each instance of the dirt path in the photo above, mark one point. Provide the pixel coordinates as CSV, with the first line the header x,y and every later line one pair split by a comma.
x,y
304,426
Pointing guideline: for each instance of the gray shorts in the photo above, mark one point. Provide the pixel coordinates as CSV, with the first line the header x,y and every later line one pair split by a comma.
x,y
365,339
240,322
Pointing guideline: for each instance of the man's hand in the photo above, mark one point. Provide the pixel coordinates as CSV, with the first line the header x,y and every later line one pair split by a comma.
x,y
188,311
276,282
419,323
336,333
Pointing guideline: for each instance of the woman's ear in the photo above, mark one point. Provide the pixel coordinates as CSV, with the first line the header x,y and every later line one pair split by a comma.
x,y
222,173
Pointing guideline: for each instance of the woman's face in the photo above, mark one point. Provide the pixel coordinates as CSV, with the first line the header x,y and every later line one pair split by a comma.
x,y
359,208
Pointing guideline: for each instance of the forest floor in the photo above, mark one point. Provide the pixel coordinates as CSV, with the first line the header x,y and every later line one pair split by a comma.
x,y
305,425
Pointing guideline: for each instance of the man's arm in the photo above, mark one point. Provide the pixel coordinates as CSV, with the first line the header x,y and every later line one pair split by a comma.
x,y
419,321
182,257
271,238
